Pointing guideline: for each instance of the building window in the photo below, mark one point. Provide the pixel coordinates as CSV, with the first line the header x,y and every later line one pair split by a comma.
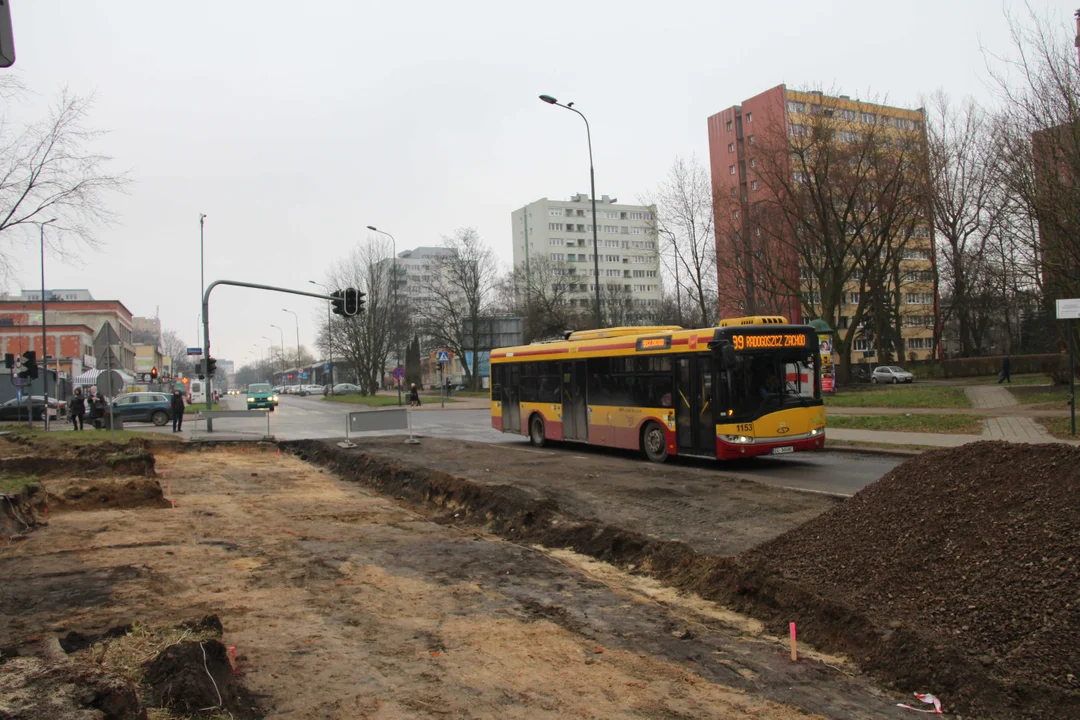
x,y
798,130
853,298
919,298
863,345
753,162
729,126
753,184
731,170
751,139
869,118
555,212
736,214
555,226
731,147
848,136
884,121
793,106
750,118
732,192
557,257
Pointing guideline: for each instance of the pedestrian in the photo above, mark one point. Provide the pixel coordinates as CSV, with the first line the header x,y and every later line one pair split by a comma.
x,y
77,409
414,396
177,405
1005,375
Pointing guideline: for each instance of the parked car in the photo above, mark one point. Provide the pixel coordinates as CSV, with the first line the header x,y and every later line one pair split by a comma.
x,y
143,407
14,410
346,389
310,390
261,395
891,374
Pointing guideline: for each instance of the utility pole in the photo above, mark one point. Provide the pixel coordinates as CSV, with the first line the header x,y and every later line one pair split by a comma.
x,y
44,340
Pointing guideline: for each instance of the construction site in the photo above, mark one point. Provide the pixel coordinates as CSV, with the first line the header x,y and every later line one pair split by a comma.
x,y
448,579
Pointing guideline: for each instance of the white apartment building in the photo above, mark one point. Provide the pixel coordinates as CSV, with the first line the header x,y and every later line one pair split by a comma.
x,y
413,270
562,232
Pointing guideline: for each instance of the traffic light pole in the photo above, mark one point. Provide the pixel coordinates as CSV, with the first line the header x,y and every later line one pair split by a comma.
x,y
206,324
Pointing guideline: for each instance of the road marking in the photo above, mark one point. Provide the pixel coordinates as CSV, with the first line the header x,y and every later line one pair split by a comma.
x,y
816,492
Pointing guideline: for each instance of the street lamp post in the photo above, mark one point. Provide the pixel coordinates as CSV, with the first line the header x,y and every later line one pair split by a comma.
x,y
282,334
44,340
297,319
393,313
592,185
678,293
329,336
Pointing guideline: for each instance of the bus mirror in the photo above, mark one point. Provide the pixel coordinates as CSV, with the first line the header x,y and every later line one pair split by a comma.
x,y
727,356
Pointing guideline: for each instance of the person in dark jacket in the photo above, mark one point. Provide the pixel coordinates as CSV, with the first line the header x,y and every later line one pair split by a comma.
x,y
414,396
1005,375
77,409
177,405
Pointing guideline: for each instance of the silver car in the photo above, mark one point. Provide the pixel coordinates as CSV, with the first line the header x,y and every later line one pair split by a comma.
x,y
891,374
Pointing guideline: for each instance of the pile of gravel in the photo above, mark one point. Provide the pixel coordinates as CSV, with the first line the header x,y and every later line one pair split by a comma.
x,y
974,551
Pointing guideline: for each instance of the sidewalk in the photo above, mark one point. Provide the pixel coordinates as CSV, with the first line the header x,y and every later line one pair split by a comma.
x,y
1012,429
990,396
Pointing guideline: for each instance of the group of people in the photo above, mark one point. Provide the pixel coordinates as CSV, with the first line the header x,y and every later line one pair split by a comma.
x,y
91,407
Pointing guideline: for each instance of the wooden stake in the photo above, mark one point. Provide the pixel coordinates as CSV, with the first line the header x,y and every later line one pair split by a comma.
x,y
794,650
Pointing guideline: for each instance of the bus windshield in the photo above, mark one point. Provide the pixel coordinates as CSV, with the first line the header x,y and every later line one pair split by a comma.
x,y
763,383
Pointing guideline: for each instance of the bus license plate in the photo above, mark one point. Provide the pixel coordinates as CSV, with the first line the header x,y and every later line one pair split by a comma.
x,y
782,450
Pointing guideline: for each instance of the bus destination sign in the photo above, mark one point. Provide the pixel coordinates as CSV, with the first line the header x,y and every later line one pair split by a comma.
x,y
654,343
768,342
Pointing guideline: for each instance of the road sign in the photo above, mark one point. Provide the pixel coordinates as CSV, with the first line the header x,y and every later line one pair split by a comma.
x,y
194,351
399,372
303,374
1068,309
443,356
326,366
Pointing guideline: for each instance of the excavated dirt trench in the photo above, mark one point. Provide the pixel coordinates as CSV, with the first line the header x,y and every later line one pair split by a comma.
x,y
897,651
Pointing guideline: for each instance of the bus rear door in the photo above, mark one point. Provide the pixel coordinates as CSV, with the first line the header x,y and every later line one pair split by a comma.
x,y
511,409
574,408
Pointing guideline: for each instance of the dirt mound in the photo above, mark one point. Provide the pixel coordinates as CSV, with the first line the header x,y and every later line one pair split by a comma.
x,y
98,494
967,562
191,676
17,509
95,464
32,688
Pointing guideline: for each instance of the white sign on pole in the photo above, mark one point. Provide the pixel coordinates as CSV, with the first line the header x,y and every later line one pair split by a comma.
x,y
1068,309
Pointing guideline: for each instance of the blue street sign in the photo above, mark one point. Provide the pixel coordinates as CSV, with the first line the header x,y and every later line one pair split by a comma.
x,y
194,351
326,366
303,374
443,356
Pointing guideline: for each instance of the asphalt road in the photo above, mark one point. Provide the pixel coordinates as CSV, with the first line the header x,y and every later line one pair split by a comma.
x,y
299,418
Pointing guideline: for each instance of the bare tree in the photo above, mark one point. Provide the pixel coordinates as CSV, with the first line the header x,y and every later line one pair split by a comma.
x,y
967,204
364,341
48,169
684,216
458,291
840,195
174,348
547,297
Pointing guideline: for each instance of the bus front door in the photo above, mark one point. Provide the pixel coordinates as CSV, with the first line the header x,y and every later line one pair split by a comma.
x,y
695,430
575,414
511,410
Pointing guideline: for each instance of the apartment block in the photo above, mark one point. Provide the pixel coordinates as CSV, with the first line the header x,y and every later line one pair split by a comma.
x,y
560,233
736,139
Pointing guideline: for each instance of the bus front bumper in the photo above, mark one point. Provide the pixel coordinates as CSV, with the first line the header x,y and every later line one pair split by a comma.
x,y
727,450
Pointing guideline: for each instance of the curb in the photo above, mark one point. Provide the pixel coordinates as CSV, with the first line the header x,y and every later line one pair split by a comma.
x,y
897,452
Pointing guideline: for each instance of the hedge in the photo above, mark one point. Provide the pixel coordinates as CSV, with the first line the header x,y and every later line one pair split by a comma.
x,y
1051,364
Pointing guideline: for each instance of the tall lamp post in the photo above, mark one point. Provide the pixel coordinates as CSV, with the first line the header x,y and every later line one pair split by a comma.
x,y
282,334
592,185
678,289
329,335
297,319
393,314
44,339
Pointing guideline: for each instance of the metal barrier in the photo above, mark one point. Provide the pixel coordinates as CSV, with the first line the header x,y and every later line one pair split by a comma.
x,y
376,421
205,415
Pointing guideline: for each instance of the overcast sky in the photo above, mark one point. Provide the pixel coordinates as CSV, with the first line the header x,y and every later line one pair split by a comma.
x,y
293,125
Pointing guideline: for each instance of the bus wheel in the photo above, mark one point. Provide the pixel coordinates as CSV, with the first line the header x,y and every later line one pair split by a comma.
x,y
536,431
654,443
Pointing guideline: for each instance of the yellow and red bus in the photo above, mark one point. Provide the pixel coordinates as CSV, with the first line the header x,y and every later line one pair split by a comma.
x,y
751,386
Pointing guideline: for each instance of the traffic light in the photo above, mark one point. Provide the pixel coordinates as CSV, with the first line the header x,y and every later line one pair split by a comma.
x,y
211,366
338,301
30,368
350,302
360,302
153,373
202,369
9,361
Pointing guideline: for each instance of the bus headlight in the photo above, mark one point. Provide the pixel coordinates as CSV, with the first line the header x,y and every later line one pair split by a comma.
x,y
816,431
737,439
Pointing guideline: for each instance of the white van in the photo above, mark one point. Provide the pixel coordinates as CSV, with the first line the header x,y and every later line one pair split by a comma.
x,y
197,392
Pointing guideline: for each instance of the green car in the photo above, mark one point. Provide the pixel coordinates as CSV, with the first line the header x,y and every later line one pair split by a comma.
x,y
261,395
